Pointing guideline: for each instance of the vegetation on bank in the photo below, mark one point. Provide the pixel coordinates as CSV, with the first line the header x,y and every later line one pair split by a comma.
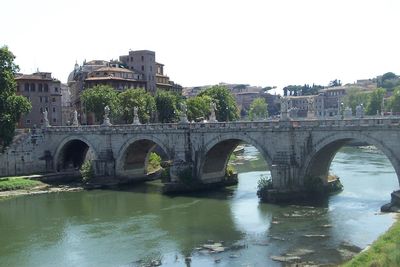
x,y
385,251
15,183
154,162
87,171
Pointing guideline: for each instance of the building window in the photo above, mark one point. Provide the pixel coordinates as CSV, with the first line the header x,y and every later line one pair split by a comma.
x,y
46,88
18,88
41,110
151,68
56,89
28,121
131,59
40,87
46,100
26,87
40,99
33,87
142,58
54,109
54,120
142,67
53,99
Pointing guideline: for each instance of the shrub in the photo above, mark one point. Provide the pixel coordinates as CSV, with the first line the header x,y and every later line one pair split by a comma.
x,y
263,185
87,171
154,162
230,171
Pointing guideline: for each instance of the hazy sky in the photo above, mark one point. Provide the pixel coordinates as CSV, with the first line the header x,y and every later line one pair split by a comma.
x,y
259,42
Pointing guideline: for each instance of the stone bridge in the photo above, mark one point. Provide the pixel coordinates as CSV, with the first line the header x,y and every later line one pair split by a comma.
x,y
293,149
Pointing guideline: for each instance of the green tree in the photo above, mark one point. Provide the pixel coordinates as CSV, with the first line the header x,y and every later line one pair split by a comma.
x,y
258,109
355,97
389,80
374,103
167,104
12,106
198,107
227,109
99,96
139,98
394,100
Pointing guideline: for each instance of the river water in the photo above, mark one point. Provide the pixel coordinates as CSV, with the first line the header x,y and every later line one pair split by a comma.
x,y
136,225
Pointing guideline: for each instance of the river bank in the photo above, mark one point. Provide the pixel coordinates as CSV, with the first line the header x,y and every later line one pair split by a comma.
x,y
385,251
41,189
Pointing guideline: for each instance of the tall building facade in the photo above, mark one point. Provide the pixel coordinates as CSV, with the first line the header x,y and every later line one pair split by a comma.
x,y
143,61
44,93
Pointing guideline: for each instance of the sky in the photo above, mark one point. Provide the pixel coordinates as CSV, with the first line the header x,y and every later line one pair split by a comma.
x,y
256,42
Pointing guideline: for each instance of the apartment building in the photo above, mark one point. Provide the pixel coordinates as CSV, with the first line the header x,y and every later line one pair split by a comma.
x,y
44,93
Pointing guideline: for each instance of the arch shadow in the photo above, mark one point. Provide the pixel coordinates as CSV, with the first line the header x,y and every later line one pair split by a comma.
x,y
72,152
318,163
216,155
133,156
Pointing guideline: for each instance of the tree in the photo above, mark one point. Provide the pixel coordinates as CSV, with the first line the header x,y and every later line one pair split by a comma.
x,y
389,80
374,104
258,109
355,97
394,100
99,96
225,102
139,98
12,106
167,104
335,83
198,107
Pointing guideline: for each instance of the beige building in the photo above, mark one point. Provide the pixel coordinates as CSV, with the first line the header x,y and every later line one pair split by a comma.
x,y
44,93
120,79
328,103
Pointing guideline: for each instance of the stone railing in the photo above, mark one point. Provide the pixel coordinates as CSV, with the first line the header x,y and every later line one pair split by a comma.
x,y
239,125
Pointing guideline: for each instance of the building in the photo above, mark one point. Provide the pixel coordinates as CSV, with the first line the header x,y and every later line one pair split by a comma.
x,y
328,103
138,69
120,79
44,93
144,62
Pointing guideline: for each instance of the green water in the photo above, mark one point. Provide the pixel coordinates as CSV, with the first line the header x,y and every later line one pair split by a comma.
x,y
130,227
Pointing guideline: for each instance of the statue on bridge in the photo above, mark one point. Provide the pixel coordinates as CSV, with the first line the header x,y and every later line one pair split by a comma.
x,y
75,119
284,109
136,120
45,119
213,118
183,113
106,121
360,111
311,107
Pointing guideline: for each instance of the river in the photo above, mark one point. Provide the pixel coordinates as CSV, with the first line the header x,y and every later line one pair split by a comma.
x,y
135,225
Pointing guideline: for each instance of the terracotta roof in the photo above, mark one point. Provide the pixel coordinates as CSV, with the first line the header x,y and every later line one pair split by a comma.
x,y
32,77
114,69
111,78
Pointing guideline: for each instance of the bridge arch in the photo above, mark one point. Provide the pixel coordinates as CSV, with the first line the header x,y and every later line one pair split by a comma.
x,y
217,151
72,152
317,163
133,156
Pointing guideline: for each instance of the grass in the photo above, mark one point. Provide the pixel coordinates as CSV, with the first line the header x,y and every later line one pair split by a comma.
x,y
18,182
385,251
